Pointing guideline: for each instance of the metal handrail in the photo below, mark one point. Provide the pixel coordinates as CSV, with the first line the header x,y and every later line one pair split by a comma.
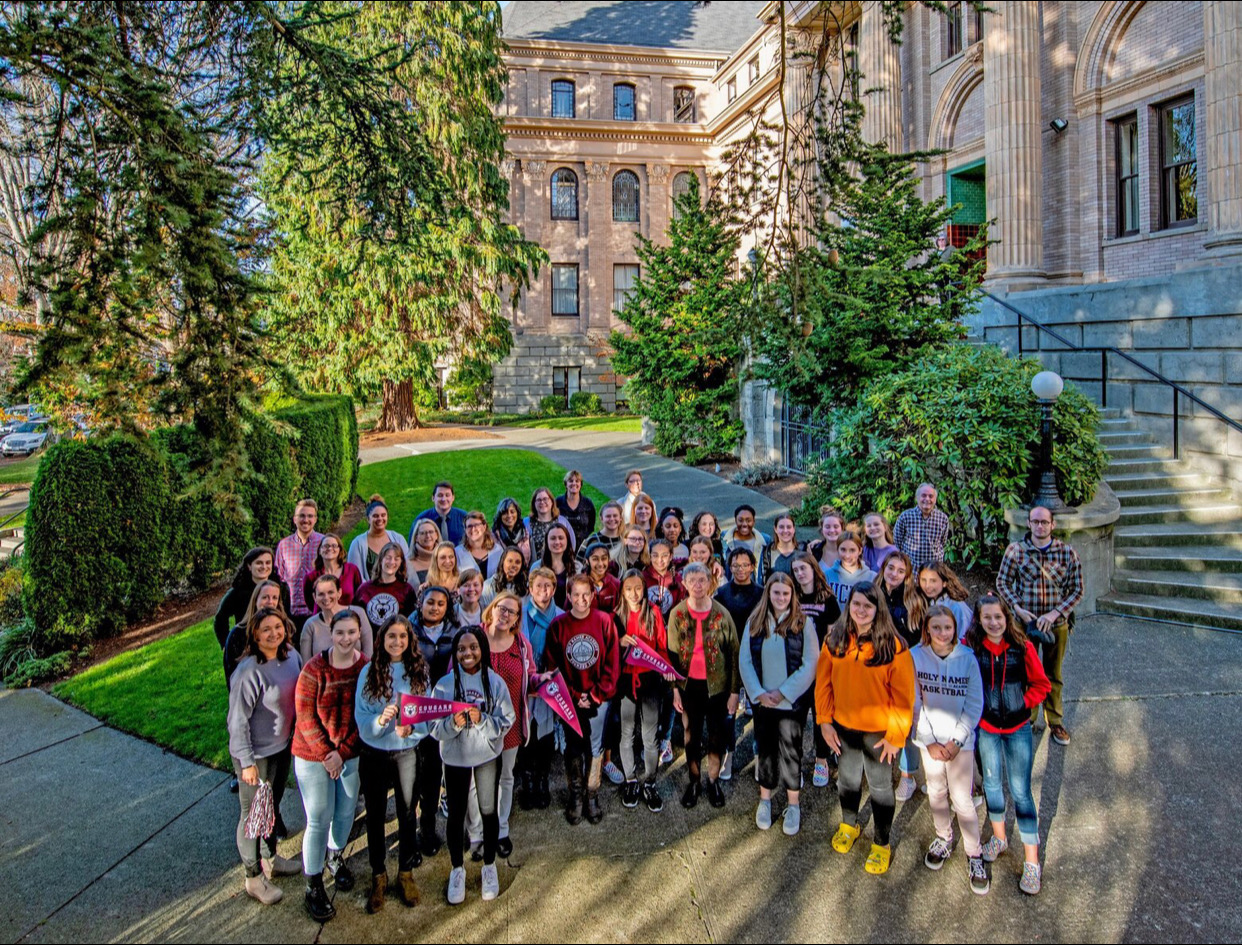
x,y
1105,351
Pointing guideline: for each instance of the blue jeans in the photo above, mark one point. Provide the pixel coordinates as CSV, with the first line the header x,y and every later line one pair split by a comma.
x,y
1017,751
910,758
330,808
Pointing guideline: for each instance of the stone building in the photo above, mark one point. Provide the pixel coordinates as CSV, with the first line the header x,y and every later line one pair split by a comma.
x,y
1102,139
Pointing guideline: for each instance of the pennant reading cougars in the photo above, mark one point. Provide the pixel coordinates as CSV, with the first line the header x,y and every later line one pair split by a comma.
x,y
640,654
415,709
556,694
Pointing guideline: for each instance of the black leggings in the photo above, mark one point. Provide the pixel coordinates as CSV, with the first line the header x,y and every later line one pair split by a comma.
x,y
859,754
379,772
457,786
778,737
430,769
699,709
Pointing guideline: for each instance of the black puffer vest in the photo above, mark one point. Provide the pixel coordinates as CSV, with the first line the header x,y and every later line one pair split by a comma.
x,y
793,662
1004,687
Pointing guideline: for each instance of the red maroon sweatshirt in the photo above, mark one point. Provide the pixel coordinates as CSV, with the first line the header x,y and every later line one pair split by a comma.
x,y
586,653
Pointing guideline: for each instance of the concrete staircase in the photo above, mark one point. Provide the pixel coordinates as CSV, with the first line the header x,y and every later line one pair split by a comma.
x,y
1178,544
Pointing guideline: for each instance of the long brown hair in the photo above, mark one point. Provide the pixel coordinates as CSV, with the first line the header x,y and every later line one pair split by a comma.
x,y
821,593
1015,636
917,602
252,627
911,597
794,619
254,598
885,644
935,610
377,572
378,685
646,613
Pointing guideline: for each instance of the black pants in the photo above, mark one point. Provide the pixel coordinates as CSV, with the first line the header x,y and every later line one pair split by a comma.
x,y
821,747
701,710
457,786
860,755
430,770
535,757
778,738
275,770
379,772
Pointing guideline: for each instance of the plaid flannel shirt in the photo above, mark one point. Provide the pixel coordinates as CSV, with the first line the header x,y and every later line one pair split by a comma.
x,y
921,537
294,561
1040,580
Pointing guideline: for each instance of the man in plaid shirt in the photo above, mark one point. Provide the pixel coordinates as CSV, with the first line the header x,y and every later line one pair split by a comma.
x,y
921,532
1041,579
295,559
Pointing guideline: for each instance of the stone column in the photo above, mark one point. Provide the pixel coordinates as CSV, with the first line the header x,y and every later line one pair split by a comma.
x,y
1011,87
595,284
653,215
535,206
1222,124
879,61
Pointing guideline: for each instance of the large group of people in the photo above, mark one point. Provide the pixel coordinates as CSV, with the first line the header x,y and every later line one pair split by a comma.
x,y
641,623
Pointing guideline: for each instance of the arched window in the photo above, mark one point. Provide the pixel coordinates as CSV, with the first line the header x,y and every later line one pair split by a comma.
x,y
681,186
683,104
564,195
623,102
625,197
562,99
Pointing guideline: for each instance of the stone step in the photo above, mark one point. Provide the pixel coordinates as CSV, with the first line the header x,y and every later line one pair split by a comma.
x,y
1198,613
1219,534
1125,467
1146,451
1197,558
1115,438
1190,495
1118,424
1177,478
1151,514
1110,413
1198,585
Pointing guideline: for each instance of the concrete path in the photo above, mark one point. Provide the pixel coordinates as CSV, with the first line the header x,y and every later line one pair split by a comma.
x,y
108,838
604,459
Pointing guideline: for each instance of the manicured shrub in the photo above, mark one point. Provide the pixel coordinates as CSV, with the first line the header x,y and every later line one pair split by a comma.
x,y
272,492
325,453
97,535
964,419
584,403
551,406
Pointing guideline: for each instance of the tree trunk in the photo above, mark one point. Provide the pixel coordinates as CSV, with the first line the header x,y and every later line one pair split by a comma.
x,y
398,412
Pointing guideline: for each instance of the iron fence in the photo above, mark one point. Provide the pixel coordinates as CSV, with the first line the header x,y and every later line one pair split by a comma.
x,y
803,443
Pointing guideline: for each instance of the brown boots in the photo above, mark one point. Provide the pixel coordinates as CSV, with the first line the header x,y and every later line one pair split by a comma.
x,y
379,886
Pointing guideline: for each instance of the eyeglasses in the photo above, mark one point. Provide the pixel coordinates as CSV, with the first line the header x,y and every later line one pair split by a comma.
x,y
473,525
507,611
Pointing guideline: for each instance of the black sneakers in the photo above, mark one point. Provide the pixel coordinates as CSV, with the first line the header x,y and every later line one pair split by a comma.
x,y
715,794
342,875
651,797
690,798
979,882
630,793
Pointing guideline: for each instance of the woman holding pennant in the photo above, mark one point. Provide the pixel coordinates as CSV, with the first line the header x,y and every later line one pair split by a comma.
x,y
640,627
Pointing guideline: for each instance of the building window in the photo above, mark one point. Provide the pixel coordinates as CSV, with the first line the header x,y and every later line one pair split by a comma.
x,y
562,99
752,70
564,195
952,30
683,104
566,381
624,275
1127,175
623,102
1179,203
565,289
731,88
681,187
976,19
625,197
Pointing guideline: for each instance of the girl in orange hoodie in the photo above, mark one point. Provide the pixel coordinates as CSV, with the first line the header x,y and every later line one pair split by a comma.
x,y
864,702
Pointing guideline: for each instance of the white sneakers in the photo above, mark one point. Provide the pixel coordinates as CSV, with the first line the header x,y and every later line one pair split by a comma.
x,y
491,883
763,815
793,820
457,885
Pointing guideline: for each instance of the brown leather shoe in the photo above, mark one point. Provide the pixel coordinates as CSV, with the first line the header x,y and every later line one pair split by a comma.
x,y
409,888
379,885
1060,734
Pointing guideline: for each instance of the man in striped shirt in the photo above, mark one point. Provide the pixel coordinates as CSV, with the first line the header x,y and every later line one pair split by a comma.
x,y
1040,577
921,532
295,559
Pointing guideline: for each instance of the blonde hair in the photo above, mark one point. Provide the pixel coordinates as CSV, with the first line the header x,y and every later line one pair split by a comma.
x,y
439,578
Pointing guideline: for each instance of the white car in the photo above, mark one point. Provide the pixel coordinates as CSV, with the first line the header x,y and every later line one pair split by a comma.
x,y
29,437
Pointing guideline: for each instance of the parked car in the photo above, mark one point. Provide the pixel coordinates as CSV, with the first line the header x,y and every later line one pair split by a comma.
x,y
13,417
28,438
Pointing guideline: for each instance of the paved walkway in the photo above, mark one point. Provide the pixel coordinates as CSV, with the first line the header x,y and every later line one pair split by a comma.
x,y
108,838
104,837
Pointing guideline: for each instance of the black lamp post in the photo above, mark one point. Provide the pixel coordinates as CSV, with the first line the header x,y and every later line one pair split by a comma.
x,y
1047,387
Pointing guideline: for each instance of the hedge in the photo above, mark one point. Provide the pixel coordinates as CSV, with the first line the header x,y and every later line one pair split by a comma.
x,y
115,524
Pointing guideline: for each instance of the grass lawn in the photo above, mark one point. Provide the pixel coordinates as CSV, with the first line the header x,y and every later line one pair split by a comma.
x,y
606,424
481,479
22,470
172,691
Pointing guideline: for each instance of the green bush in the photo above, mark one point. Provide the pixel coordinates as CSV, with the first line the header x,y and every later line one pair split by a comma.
x,y
325,453
965,419
469,386
583,403
551,405
272,492
11,610
97,534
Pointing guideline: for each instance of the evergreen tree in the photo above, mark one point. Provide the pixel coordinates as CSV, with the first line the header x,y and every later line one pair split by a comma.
x,y
685,315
